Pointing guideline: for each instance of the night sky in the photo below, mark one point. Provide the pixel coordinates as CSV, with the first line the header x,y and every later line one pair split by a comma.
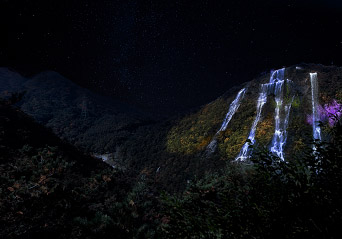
x,y
167,55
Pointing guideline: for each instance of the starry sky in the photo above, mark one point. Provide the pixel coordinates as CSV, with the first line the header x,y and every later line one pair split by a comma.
x,y
167,56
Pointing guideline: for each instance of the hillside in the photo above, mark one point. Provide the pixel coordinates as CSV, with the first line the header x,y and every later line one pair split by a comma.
x,y
173,151
94,123
177,149
38,174
48,188
193,133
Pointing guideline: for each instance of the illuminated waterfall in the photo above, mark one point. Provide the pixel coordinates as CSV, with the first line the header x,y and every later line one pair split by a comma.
x,y
244,153
280,133
314,100
234,106
275,86
286,123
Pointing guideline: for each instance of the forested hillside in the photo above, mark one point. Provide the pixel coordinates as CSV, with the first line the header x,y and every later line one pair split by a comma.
x,y
94,123
50,189
177,149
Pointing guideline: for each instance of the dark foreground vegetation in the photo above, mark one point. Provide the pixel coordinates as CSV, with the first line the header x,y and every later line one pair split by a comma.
x,y
50,189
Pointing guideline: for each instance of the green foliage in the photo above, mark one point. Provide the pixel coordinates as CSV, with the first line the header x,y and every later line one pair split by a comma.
x,y
231,141
265,130
296,102
207,206
193,133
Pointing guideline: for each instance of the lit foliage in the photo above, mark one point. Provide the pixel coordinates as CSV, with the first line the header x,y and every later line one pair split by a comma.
x,y
192,133
231,141
265,130
330,112
296,102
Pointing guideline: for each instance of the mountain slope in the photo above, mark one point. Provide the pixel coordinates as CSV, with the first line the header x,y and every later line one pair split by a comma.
x,y
176,150
47,186
95,123
193,133
50,189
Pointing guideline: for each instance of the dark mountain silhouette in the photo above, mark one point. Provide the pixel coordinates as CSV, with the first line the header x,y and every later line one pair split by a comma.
x,y
95,123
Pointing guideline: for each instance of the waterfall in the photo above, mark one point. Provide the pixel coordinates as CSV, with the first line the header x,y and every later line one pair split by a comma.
x,y
280,133
314,100
262,99
274,86
286,123
234,106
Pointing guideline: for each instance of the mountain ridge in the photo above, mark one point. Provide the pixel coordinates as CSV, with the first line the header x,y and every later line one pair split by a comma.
x,y
73,112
